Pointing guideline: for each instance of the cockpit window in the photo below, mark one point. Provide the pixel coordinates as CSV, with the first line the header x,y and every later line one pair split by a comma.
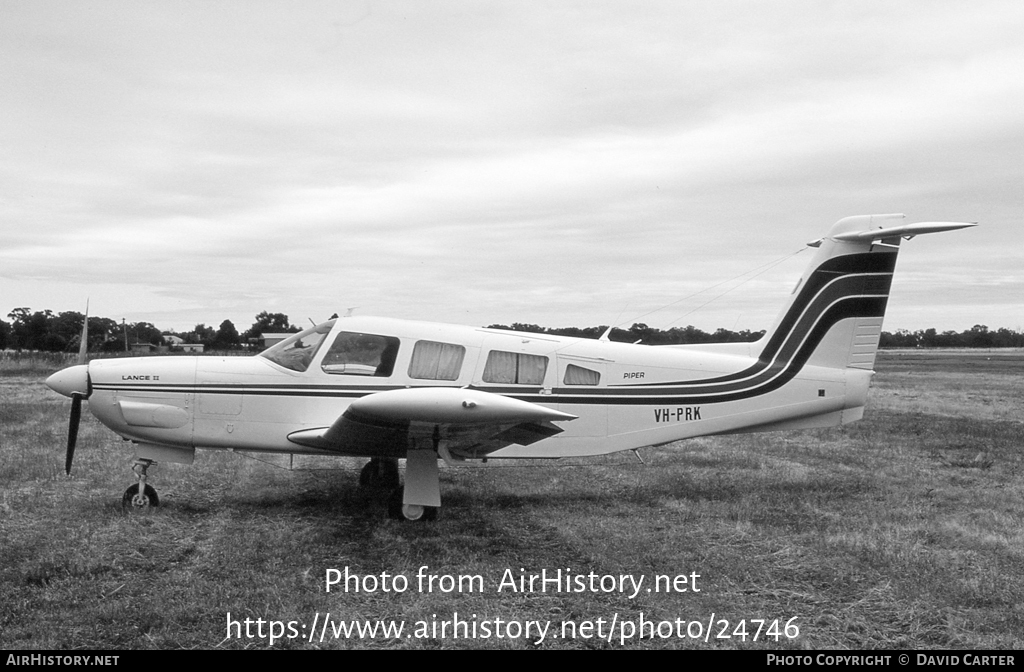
x,y
356,354
297,351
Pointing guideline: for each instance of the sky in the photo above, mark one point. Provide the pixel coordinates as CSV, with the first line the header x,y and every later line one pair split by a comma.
x,y
480,162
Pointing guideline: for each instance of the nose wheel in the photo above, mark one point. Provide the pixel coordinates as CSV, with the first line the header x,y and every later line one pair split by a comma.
x,y
140,497
133,502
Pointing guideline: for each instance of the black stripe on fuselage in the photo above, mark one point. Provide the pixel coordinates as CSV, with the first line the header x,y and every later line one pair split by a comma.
x,y
857,275
353,392
768,381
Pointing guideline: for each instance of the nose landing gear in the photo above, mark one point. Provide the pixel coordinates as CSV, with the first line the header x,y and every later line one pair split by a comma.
x,y
140,497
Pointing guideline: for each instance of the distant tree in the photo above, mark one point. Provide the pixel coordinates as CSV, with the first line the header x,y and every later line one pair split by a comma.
x,y
29,330
103,330
522,326
269,323
201,334
1007,338
641,332
689,334
901,339
227,337
928,338
979,337
5,334
66,329
578,332
19,314
144,332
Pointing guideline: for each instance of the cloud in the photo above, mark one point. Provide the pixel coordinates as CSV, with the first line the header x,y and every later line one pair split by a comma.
x,y
498,162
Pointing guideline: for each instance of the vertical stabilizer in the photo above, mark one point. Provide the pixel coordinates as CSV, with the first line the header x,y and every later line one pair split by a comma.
x,y
834,315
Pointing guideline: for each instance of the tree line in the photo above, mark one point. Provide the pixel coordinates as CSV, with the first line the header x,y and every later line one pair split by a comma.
x,y
46,331
61,332
641,333
978,336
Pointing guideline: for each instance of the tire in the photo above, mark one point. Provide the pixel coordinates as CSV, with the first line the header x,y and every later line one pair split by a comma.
x,y
131,504
380,472
398,510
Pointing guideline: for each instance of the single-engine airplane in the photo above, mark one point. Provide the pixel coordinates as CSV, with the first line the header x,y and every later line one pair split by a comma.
x,y
388,389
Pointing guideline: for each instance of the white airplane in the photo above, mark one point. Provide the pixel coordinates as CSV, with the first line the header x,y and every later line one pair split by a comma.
x,y
390,389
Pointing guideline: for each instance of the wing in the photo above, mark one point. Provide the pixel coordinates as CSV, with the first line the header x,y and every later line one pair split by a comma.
x,y
470,423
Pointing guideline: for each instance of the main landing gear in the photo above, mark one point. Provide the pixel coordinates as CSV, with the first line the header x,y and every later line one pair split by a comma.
x,y
420,498
141,497
399,510
380,473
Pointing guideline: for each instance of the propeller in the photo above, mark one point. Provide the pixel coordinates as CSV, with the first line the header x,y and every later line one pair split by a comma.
x,y
74,382
76,415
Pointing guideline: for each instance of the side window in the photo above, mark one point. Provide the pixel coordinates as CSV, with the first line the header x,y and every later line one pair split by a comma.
x,y
515,367
577,375
355,354
436,361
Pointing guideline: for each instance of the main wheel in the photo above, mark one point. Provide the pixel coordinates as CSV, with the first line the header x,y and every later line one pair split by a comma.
x,y
399,510
380,472
133,502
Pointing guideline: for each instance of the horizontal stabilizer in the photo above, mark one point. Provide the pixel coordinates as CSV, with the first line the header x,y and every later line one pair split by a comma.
x,y
902,231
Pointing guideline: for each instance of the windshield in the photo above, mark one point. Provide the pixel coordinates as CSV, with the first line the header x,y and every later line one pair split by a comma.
x,y
297,351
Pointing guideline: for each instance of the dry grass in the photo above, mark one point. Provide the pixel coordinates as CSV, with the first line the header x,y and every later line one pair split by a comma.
x,y
900,531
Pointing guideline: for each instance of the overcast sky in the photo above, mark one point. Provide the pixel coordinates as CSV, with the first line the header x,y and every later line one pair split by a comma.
x,y
561,163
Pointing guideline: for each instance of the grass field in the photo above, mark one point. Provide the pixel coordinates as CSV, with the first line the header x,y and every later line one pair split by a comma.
x,y
900,531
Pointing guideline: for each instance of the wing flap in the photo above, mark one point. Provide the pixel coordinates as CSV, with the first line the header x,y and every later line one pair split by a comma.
x,y
527,433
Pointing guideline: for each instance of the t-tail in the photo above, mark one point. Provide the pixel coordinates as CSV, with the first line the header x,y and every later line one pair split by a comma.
x,y
834,316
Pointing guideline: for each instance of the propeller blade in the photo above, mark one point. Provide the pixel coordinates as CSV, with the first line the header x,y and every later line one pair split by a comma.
x,y
83,346
76,415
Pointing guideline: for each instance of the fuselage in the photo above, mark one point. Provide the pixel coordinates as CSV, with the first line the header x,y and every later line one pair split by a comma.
x,y
624,396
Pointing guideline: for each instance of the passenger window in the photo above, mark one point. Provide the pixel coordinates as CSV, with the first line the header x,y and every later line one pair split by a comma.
x,y
436,361
515,367
577,375
355,354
